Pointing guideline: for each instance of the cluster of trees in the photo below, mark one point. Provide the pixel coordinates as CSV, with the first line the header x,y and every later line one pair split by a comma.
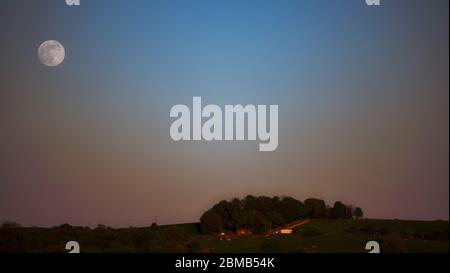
x,y
263,213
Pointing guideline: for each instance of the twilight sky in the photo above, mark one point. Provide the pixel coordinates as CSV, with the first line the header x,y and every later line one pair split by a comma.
x,y
362,93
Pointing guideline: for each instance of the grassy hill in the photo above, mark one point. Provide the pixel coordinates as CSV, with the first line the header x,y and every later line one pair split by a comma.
x,y
335,236
317,236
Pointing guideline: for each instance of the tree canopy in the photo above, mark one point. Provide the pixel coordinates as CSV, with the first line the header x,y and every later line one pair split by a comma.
x,y
263,213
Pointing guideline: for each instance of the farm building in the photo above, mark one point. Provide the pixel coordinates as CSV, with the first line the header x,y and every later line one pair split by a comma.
x,y
289,228
243,231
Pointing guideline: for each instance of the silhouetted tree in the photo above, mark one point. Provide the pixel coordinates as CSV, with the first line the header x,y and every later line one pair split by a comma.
x,y
8,224
261,213
275,218
359,213
292,209
211,222
316,208
339,210
261,224
349,212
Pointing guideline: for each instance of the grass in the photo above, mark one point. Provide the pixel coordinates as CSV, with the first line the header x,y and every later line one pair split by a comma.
x,y
337,236
323,236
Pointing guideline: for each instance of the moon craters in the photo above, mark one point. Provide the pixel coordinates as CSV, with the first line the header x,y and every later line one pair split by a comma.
x,y
51,53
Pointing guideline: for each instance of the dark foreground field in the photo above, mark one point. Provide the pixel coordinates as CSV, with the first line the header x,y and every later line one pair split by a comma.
x,y
322,236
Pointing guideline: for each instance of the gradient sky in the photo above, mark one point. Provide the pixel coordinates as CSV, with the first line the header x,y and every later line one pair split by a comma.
x,y
362,93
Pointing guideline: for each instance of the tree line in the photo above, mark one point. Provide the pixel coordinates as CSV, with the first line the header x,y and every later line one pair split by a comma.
x,y
263,213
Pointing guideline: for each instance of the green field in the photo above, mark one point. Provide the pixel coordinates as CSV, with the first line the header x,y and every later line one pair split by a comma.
x,y
337,236
321,236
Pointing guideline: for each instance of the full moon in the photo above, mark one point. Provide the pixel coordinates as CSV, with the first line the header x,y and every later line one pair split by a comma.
x,y
51,53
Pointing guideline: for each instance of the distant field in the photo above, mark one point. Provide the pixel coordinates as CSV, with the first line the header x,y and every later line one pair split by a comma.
x,y
322,236
335,236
